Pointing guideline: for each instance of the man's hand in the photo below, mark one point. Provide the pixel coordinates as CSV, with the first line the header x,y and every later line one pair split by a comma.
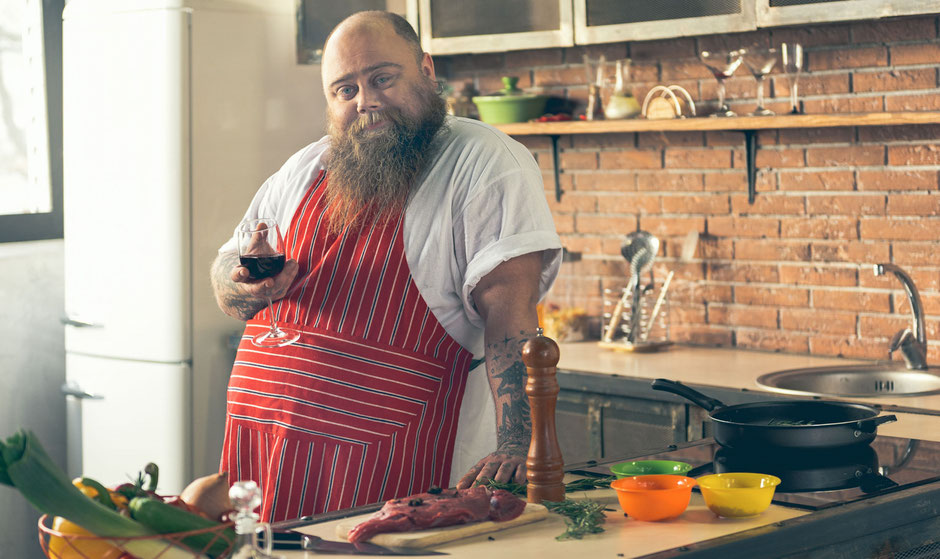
x,y
502,466
506,299
240,296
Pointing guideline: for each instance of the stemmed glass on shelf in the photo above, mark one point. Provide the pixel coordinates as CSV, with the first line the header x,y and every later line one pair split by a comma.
x,y
261,250
791,55
722,65
760,61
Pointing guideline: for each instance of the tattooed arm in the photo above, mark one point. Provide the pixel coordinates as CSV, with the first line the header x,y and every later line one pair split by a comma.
x,y
506,299
241,297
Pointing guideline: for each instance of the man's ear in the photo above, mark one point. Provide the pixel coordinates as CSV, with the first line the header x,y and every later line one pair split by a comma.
x,y
427,66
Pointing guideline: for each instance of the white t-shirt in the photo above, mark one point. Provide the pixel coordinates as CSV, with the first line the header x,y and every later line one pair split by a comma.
x,y
480,202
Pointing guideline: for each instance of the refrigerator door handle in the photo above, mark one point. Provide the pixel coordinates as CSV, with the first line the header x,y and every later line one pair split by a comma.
x,y
74,395
77,392
71,321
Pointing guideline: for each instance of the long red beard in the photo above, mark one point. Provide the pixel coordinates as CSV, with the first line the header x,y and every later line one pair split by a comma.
x,y
372,172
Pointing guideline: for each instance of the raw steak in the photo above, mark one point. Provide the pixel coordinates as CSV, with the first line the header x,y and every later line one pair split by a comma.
x,y
447,508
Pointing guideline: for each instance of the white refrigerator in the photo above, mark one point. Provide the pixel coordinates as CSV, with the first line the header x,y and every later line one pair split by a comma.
x,y
175,111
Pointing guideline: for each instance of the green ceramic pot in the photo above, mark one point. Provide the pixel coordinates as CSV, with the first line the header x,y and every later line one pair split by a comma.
x,y
510,104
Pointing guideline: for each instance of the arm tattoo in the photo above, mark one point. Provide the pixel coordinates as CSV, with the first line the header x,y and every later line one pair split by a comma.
x,y
508,378
231,298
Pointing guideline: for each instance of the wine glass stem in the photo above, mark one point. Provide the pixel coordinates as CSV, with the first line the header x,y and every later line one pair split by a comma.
x,y
721,96
760,93
274,329
794,103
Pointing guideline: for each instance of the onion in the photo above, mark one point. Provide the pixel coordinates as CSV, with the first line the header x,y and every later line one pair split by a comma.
x,y
209,495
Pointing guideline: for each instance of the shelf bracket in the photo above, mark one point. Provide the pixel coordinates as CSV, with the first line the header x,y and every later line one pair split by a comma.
x,y
750,150
557,166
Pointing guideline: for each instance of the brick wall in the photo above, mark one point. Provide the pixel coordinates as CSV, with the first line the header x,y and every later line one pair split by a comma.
x,y
792,272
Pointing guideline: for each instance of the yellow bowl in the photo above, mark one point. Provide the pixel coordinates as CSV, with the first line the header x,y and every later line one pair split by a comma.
x,y
737,494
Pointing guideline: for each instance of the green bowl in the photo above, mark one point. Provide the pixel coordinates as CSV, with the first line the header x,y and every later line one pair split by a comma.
x,y
503,109
649,467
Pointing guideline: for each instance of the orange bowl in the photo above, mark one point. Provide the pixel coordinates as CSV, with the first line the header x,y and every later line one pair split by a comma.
x,y
654,497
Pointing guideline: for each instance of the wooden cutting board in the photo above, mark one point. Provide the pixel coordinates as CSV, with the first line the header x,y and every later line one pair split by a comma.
x,y
436,536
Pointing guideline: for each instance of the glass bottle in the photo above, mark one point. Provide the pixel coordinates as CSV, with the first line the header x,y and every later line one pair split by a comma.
x,y
246,497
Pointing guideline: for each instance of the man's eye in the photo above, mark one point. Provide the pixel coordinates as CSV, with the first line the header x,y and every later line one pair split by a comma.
x,y
346,91
383,80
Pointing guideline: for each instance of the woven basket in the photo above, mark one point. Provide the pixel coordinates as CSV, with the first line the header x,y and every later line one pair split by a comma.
x,y
59,545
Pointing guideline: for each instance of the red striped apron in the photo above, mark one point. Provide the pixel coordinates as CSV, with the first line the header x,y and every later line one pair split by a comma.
x,y
364,407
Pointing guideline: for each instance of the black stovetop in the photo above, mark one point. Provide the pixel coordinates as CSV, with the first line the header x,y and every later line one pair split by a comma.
x,y
813,480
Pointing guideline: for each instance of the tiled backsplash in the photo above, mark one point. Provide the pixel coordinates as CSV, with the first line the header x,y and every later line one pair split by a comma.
x,y
792,272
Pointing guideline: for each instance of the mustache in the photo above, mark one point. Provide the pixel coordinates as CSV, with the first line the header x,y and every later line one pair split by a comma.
x,y
364,121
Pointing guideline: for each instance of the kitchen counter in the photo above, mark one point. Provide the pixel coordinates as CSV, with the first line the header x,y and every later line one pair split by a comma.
x,y
889,523
733,374
884,524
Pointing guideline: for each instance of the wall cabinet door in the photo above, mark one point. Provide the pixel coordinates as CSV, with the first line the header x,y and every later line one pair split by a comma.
x,y
789,12
449,27
604,21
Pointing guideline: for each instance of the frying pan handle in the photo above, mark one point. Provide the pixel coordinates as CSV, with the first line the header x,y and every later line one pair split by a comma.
x,y
690,394
869,425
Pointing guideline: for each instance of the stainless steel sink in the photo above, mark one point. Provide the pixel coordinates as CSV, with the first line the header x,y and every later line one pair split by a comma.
x,y
866,381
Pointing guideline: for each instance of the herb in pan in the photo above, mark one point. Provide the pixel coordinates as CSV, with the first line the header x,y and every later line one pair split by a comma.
x,y
775,421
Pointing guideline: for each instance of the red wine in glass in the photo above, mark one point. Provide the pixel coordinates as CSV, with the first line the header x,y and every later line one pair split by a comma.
x,y
261,251
261,267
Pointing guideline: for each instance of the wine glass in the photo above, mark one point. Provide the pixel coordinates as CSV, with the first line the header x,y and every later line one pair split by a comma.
x,y
791,55
722,65
760,62
261,251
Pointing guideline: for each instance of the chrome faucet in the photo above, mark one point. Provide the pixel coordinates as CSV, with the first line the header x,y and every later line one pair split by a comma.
x,y
911,341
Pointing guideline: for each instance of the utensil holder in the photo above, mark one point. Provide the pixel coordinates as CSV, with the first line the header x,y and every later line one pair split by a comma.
x,y
652,335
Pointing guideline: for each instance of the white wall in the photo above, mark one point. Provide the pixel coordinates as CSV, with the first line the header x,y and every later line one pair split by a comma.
x,y
32,370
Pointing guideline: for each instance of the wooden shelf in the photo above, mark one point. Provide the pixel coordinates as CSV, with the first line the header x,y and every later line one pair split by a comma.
x,y
709,123
749,125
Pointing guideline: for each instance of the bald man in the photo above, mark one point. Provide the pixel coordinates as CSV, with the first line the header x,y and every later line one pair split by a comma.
x,y
417,247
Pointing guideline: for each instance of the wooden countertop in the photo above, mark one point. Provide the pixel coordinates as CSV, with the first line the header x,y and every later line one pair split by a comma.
x,y
739,369
626,536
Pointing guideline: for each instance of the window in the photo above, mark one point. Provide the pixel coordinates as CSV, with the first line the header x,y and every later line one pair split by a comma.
x,y
30,119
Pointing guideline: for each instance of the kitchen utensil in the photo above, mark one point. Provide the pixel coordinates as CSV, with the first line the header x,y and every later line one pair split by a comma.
x,y
422,539
688,250
649,467
808,470
654,497
317,544
510,104
794,424
639,249
737,494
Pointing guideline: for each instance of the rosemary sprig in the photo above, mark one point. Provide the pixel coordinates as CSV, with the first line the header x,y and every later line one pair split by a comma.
x,y
588,483
581,517
511,486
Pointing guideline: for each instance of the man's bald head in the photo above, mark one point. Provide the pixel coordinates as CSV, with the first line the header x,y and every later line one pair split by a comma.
x,y
378,21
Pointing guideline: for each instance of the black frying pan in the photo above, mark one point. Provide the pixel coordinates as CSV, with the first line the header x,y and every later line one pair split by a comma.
x,y
796,424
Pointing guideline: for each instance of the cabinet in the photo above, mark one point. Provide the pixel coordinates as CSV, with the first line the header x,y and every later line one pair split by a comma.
x,y
772,13
471,26
602,416
606,21
448,27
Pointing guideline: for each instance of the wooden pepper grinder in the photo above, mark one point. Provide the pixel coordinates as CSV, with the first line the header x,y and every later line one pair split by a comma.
x,y
544,464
